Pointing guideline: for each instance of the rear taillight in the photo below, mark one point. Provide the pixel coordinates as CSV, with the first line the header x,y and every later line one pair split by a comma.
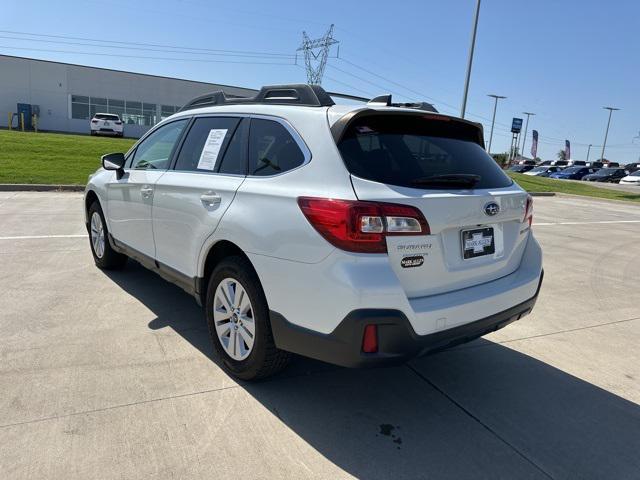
x,y
118,122
94,121
370,339
528,210
362,227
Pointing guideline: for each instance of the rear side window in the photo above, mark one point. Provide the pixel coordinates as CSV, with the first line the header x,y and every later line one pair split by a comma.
x,y
272,149
206,145
405,149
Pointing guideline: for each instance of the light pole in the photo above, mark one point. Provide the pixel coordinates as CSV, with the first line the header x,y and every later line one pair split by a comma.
x,y
526,126
470,62
493,120
606,132
589,151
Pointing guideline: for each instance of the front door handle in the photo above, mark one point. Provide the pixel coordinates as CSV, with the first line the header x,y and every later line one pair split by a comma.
x,y
146,191
210,199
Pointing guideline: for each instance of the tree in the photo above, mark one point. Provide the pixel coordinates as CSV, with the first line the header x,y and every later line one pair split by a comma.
x,y
562,155
501,158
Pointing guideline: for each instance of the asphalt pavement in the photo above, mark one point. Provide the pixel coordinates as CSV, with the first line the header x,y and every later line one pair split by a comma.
x,y
110,375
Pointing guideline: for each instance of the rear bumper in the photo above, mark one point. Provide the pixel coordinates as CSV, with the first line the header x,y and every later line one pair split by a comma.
x,y
397,340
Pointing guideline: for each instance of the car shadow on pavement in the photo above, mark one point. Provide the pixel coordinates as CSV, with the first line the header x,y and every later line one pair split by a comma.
x,y
477,411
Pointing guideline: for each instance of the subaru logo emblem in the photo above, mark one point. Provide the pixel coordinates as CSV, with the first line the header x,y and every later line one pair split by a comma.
x,y
491,209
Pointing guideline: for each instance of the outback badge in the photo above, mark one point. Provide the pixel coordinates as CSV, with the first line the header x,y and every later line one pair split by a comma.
x,y
413,261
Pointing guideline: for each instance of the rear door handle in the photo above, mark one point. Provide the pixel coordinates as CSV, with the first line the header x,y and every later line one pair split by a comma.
x,y
146,191
210,199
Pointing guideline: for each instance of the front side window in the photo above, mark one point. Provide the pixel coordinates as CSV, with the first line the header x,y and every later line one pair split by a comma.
x,y
272,149
208,143
419,152
154,152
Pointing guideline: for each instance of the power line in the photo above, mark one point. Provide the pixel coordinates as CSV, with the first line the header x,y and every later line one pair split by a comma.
x,y
144,57
198,49
366,81
164,50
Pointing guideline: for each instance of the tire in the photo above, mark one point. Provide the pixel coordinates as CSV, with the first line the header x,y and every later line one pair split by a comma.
x,y
104,256
244,361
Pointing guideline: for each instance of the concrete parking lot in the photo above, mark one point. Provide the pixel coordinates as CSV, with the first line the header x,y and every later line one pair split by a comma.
x,y
110,375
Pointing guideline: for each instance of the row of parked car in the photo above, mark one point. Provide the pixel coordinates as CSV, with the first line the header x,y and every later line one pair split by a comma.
x,y
611,172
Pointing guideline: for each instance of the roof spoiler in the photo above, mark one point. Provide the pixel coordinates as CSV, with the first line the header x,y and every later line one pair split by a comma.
x,y
295,94
385,101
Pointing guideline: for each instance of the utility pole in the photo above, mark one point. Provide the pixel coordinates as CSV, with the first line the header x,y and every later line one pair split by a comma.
x,y
606,133
493,120
470,61
526,126
316,53
589,151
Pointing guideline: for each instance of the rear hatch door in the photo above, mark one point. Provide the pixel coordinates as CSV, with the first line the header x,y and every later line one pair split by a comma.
x,y
438,165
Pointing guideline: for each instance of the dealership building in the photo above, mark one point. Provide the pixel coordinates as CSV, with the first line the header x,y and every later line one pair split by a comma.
x,y
65,96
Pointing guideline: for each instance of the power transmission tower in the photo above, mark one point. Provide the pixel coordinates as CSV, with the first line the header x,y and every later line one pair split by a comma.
x,y
316,53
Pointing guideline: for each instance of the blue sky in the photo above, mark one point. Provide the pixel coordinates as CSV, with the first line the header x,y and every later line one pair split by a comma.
x,y
563,60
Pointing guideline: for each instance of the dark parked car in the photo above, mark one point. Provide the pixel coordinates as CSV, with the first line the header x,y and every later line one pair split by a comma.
x,y
610,175
521,168
632,167
612,165
573,173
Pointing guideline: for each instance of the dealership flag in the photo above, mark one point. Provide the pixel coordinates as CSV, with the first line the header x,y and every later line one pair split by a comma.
x,y
534,145
567,149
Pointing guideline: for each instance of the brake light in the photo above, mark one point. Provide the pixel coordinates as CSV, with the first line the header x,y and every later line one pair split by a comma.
x,y
357,226
94,121
370,339
118,122
528,210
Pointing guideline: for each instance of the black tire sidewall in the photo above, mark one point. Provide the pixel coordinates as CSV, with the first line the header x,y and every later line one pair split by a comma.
x,y
240,269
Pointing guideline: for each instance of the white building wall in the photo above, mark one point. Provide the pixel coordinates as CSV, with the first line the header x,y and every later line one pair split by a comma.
x,y
51,84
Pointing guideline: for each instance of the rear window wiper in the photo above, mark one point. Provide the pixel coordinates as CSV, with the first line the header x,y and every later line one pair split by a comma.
x,y
449,180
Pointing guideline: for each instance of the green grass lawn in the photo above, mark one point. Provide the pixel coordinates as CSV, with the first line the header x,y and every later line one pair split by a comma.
x,y
28,157
540,184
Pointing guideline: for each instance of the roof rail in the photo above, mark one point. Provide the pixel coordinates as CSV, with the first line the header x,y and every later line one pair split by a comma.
x,y
295,94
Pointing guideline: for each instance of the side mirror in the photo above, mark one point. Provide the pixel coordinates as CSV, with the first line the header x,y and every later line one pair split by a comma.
x,y
114,161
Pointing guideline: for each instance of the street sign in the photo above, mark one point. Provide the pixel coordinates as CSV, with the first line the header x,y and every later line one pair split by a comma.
x,y
516,125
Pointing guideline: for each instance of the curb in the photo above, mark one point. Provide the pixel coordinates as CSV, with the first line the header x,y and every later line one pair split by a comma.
x,y
542,194
39,187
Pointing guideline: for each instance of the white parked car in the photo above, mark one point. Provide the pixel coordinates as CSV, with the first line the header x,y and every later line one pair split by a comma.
x,y
631,179
357,235
106,124
543,171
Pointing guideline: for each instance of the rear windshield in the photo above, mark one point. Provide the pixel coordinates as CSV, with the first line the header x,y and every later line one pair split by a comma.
x,y
106,116
402,149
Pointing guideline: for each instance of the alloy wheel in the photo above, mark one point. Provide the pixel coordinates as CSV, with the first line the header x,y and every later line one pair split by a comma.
x,y
233,318
97,234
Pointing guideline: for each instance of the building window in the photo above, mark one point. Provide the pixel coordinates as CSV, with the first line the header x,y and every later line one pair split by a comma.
x,y
131,112
167,111
149,113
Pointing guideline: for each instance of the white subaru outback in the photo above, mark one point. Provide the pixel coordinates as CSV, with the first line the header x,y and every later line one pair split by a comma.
x,y
357,235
